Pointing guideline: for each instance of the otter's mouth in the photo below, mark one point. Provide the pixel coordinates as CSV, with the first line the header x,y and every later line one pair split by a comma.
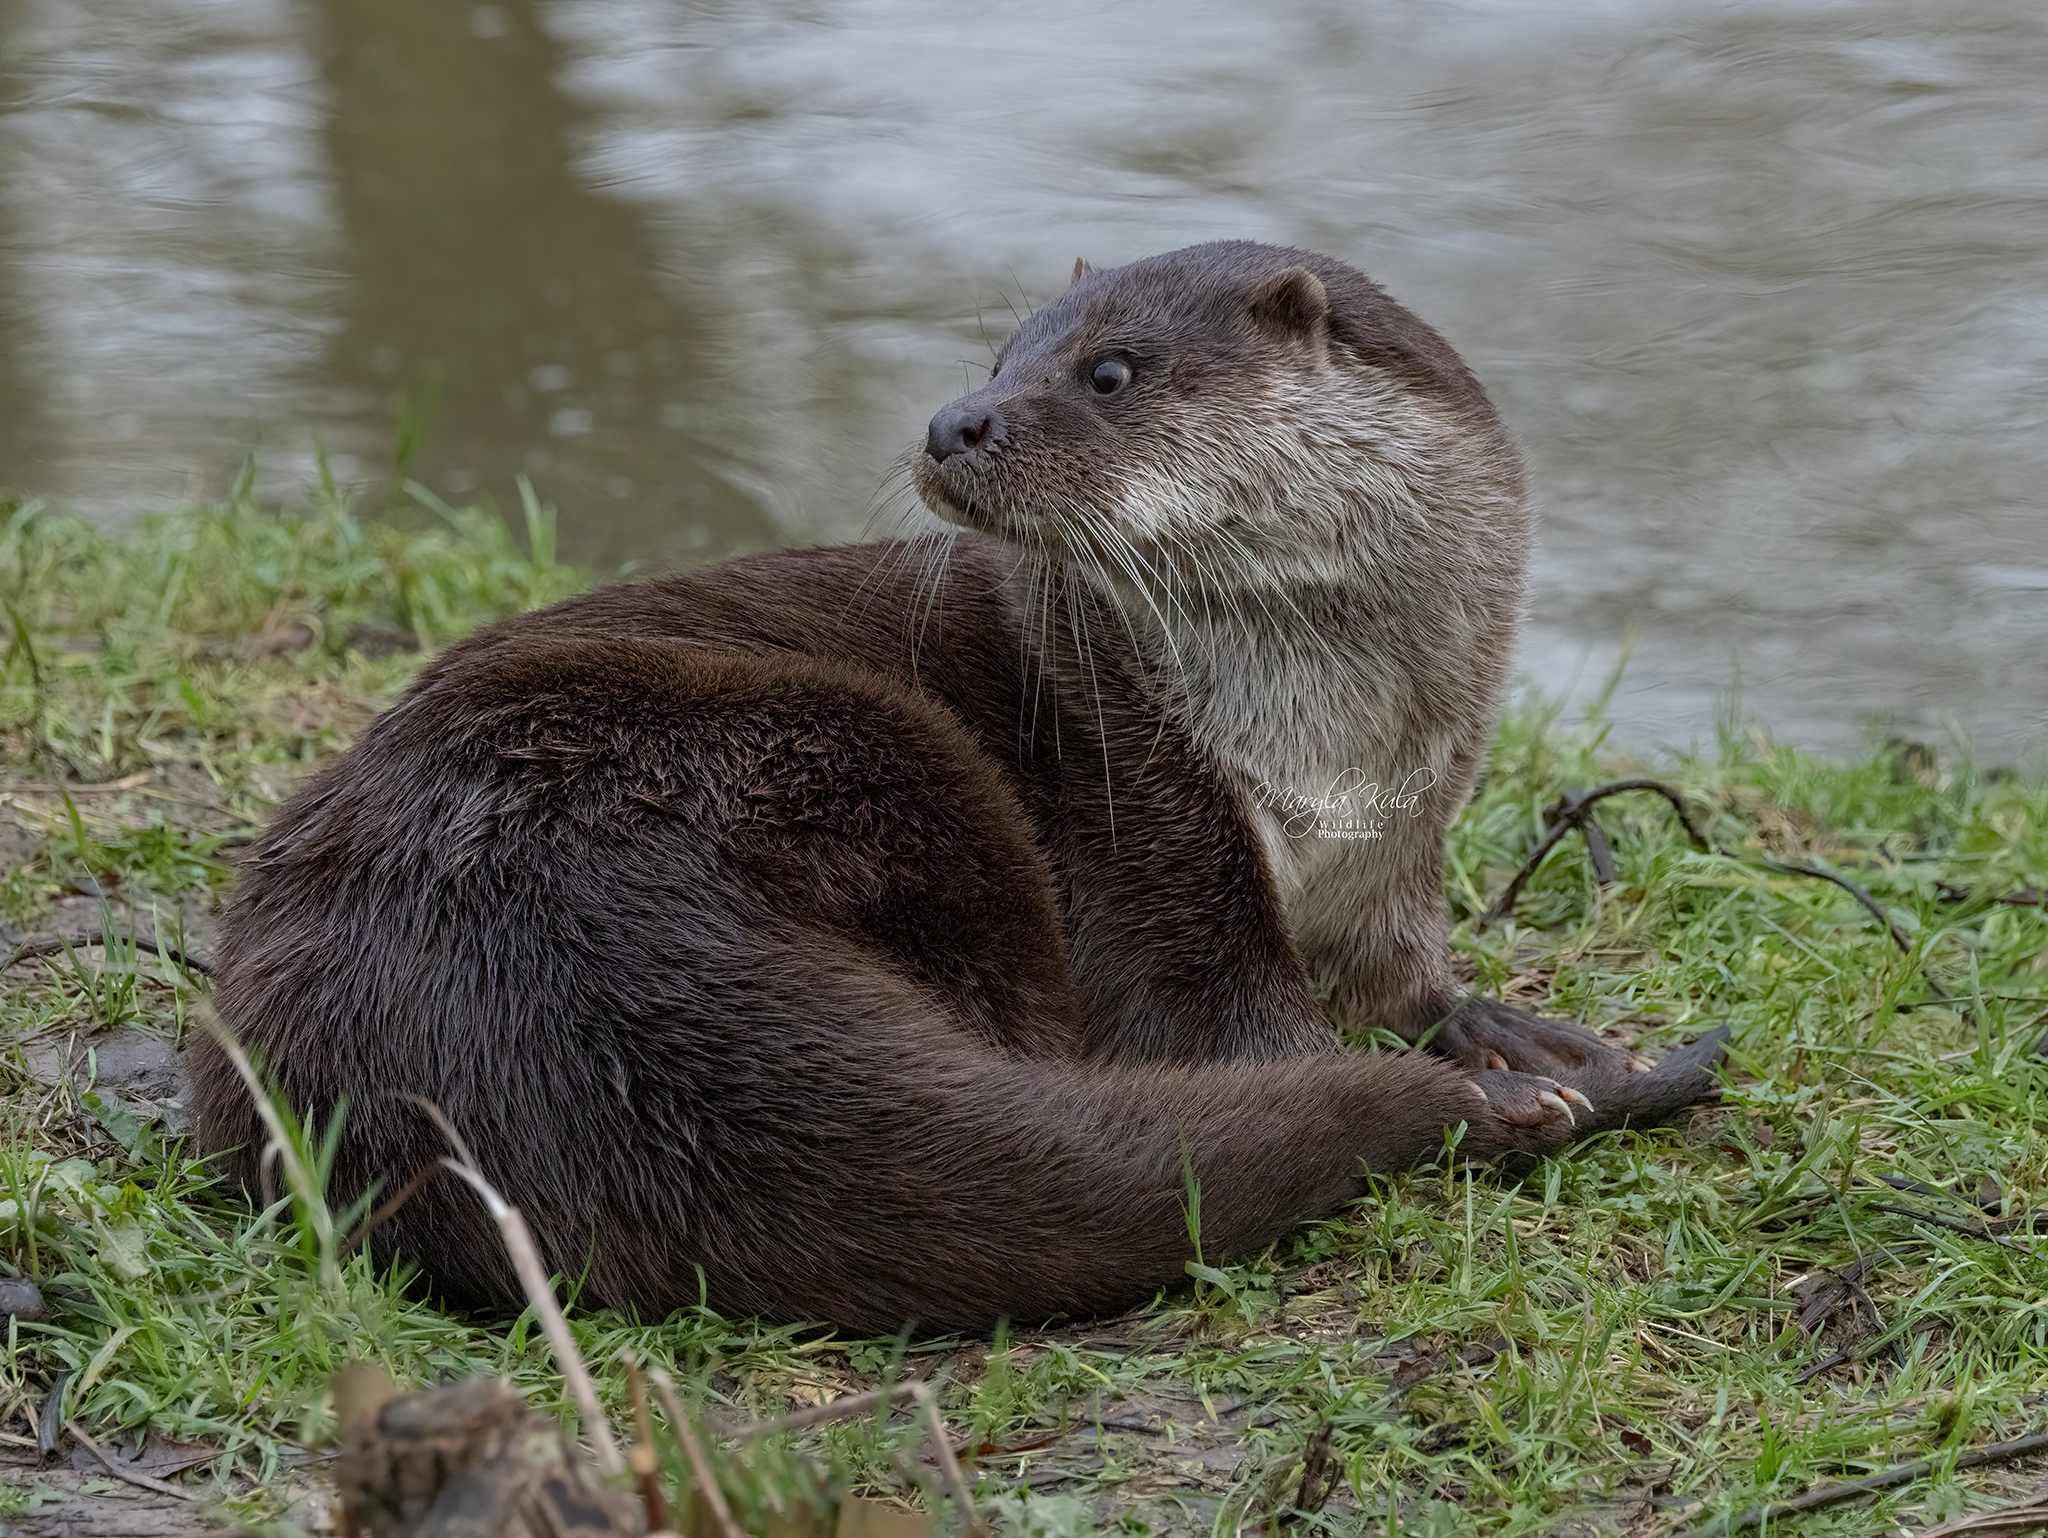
x,y
940,489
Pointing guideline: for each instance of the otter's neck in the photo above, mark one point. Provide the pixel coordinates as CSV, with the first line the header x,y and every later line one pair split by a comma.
x,y
1323,695
1284,684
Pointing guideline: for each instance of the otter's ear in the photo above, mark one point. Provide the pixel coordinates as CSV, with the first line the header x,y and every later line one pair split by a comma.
x,y
1081,269
1293,301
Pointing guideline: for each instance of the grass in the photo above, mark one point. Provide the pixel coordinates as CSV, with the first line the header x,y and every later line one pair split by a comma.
x,y
1611,1342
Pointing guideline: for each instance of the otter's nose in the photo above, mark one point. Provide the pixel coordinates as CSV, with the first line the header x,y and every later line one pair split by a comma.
x,y
962,426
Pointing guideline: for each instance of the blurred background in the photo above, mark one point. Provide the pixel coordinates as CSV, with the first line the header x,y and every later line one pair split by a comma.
x,y
1762,288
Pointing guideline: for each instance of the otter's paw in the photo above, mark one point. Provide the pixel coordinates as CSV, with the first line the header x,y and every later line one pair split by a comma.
x,y
1483,1034
1532,1113
1629,1098
1536,1114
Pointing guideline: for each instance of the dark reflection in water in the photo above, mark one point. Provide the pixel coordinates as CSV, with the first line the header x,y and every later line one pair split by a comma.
x,y
508,312
23,430
1763,288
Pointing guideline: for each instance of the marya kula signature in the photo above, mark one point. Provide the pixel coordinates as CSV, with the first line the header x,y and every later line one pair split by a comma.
x,y
1353,807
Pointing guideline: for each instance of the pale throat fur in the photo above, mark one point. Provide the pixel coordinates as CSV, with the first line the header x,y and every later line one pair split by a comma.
x,y
1322,577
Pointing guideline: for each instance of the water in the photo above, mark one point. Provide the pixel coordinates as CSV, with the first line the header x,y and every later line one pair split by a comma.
x,y
1762,288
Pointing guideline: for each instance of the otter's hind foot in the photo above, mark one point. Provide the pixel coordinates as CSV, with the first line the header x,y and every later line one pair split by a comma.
x,y
1536,1114
1482,1034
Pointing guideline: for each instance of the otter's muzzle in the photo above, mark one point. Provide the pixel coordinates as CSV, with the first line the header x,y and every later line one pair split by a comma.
x,y
967,424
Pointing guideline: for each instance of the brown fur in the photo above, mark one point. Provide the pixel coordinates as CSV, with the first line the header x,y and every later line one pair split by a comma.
x,y
884,933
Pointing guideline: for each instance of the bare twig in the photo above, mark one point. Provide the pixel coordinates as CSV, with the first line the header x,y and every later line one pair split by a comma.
x,y
1827,1363
28,950
1599,852
2019,897
700,1466
839,1409
2036,1219
1319,1472
1921,1188
949,1465
130,1476
1871,904
645,1473
1967,1230
1848,1490
1573,812
533,1278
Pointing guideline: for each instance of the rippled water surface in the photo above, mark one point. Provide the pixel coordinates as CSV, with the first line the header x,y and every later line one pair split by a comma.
x,y
1763,289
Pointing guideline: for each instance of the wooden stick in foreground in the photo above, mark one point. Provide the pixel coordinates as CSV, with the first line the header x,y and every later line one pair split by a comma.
x,y
645,1474
942,1449
700,1466
2029,1517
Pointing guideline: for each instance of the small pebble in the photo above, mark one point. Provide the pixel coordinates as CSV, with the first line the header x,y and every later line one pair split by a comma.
x,y
21,1299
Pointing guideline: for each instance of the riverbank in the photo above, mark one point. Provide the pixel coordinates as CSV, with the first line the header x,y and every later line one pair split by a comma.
x,y
1828,1274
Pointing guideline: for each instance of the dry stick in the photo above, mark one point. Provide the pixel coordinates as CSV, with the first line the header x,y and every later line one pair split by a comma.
x,y
1870,903
2019,897
1848,1490
819,1414
700,1466
144,1481
645,1473
1574,814
1967,1230
942,1449
1921,1188
1597,849
28,950
1575,810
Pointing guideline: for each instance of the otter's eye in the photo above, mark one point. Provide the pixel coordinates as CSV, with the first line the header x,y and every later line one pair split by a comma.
x,y
1110,376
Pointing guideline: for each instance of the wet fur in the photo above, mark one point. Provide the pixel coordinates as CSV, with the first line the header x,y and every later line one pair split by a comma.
x,y
885,933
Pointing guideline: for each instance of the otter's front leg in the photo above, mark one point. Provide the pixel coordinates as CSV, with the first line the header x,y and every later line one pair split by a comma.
x,y
1374,929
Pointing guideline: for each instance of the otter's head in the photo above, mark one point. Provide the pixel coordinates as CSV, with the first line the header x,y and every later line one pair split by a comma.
x,y
1232,411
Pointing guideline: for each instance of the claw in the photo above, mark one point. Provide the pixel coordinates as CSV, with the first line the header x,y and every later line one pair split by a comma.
x,y
1573,1097
1557,1103
1495,1061
1637,1063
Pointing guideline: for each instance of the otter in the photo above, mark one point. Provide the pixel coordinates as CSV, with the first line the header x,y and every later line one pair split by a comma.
x,y
888,934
